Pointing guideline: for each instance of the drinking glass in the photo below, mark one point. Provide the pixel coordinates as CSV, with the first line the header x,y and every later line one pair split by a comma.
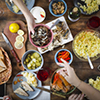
x,y
93,22
43,73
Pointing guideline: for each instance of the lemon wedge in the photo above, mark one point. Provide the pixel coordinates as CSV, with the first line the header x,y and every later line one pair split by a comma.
x,y
20,32
18,44
20,38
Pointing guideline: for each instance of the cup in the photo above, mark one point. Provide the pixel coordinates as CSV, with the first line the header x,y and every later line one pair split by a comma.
x,y
93,22
43,74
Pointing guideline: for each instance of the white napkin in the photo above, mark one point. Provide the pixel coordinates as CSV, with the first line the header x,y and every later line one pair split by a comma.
x,y
44,95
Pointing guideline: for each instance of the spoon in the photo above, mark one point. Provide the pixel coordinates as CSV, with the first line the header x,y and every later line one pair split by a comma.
x,y
54,24
90,63
89,60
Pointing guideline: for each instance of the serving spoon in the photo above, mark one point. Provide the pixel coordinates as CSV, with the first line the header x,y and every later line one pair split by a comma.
x,y
90,63
89,60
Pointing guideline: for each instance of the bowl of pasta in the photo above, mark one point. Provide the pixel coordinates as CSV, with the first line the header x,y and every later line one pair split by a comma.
x,y
87,42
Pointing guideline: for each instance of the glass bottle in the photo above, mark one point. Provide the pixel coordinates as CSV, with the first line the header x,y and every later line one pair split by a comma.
x,y
74,14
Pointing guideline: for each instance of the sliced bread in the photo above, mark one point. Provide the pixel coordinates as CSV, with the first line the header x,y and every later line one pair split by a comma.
x,y
20,91
26,86
1,55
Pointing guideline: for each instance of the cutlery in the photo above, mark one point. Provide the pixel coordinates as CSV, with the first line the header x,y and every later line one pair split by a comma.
x,y
11,48
54,24
54,93
90,63
89,60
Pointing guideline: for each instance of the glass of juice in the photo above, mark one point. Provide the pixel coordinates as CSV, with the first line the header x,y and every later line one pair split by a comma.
x,y
43,74
93,22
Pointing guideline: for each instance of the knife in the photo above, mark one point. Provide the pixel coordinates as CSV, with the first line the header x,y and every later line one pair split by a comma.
x,y
54,93
11,48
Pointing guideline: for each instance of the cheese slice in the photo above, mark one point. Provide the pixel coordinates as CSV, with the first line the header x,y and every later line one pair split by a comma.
x,y
20,91
26,86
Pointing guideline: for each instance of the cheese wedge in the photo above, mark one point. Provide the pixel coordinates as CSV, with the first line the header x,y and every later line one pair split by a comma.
x,y
1,54
26,86
20,91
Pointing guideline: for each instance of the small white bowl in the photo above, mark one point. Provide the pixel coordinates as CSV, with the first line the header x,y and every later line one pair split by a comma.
x,y
36,12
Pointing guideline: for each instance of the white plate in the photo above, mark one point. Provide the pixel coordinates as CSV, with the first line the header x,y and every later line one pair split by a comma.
x,y
36,11
32,94
64,41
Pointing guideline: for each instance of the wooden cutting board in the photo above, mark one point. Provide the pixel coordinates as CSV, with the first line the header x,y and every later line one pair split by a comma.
x,y
12,39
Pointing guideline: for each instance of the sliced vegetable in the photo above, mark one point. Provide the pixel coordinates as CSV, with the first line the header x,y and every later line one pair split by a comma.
x,y
19,75
64,55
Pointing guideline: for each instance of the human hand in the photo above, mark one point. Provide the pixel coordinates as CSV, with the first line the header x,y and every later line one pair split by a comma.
x,y
7,98
69,74
76,97
49,0
30,23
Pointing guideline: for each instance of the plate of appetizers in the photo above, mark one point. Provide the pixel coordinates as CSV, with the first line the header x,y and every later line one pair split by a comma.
x,y
13,8
59,84
61,35
88,7
24,85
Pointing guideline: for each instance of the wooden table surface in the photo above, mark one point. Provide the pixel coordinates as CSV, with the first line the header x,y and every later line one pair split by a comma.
x,y
82,69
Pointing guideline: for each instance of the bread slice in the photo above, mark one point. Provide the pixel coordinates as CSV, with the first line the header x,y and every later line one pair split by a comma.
x,y
2,63
26,86
2,69
1,55
20,91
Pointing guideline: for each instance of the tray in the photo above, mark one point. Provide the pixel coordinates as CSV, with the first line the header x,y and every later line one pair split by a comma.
x,y
63,41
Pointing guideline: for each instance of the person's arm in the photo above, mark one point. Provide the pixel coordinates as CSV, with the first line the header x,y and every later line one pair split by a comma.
x,y
91,92
69,74
29,17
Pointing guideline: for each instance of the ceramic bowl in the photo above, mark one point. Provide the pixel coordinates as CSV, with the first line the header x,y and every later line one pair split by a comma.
x,y
47,43
61,50
38,13
24,58
50,8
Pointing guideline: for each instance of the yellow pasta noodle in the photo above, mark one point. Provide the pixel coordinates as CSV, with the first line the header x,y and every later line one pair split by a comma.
x,y
87,42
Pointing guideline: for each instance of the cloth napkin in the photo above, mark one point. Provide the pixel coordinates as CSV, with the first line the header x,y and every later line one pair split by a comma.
x,y
43,94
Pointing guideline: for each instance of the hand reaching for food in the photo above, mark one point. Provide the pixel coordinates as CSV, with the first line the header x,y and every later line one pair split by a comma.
x,y
69,73
30,23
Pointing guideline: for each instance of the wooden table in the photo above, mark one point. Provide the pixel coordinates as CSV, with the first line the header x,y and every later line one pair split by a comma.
x,y
82,69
